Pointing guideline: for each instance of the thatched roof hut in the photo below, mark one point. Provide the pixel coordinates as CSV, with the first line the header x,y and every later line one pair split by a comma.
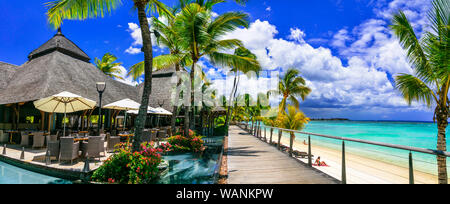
x,y
59,65
163,86
6,72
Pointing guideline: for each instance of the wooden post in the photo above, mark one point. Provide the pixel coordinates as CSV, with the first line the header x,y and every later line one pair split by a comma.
x,y
50,122
42,120
309,152
280,133
291,143
411,169
344,173
265,134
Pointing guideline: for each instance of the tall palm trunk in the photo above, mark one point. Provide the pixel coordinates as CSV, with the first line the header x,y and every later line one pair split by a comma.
x,y
442,120
227,119
192,77
148,58
177,98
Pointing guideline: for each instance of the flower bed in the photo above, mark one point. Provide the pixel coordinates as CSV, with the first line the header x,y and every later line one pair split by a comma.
x,y
192,143
126,167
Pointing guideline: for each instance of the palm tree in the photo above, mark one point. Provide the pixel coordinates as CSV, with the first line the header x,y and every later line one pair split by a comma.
x,y
201,36
167,37
429,58
294,119
58,10
108,66
291,86
244,53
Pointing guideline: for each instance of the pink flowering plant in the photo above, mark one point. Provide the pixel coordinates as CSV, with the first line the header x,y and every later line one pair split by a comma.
x,y
192,143
125,167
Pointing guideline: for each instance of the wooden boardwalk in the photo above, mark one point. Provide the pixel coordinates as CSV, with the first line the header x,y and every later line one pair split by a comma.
x,y
252,161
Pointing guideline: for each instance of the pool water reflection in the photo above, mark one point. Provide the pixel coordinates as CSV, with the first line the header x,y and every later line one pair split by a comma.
x,y
14,175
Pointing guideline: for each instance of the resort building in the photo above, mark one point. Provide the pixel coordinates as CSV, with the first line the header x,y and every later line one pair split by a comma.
x,y
60,65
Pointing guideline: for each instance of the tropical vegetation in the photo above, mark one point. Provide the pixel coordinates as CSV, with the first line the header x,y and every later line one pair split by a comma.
x,y
429,57
127,167
291,86
109,66
294,119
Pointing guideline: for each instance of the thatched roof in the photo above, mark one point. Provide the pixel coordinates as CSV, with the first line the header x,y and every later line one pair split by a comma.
x,y
163,85
51,71
59,43
6,71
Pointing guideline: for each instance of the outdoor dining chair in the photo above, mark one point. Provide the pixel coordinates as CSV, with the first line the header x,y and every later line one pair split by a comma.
x,y
53,148
68,149
147,136
111,141
24,139
3,137
93,147
38,140
102,144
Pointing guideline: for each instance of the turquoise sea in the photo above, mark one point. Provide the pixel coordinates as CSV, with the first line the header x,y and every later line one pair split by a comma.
x,y
414,134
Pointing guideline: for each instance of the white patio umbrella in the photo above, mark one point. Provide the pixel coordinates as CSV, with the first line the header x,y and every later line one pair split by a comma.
x,y
64,102
162,111
124,105
150,110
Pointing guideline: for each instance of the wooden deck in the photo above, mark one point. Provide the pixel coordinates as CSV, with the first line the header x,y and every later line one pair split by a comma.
x,y
252,161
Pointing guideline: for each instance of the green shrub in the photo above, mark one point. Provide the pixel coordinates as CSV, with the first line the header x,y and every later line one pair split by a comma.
x,y
125,167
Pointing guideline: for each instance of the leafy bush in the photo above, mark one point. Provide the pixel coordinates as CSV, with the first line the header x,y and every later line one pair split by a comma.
x,y
192,143
125,167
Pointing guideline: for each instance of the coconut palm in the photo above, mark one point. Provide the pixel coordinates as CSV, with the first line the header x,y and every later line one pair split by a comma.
x,y
58,10
108,66
291,86
167,37
201,36
294,119
429,58
245,53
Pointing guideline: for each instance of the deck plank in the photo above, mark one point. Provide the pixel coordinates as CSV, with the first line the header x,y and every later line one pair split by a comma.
x,y
251,161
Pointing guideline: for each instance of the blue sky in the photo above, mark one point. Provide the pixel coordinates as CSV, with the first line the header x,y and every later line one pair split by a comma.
x,y
343,48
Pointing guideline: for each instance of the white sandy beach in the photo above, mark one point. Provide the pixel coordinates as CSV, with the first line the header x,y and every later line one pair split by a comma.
x,y
361,169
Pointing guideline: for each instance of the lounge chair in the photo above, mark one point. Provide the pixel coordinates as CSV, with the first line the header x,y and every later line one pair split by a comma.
x,y
69,149
24,142
299,154
38,140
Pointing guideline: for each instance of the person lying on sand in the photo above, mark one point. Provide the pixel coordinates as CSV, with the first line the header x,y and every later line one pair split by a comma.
x,y
319,163
304,142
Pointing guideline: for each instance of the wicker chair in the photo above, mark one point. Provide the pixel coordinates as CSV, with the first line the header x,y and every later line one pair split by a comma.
x,y
93,147
24,139
112,141
38,140
147,136
53,147
102,144
69,149
3,137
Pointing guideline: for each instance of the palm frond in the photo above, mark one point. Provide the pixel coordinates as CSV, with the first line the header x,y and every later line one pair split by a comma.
x,y
414,89
60,10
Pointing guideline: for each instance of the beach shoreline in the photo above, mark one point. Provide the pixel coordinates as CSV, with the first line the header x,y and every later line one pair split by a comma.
x,y
360,169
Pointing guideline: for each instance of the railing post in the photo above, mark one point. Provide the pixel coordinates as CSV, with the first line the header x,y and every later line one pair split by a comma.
x,y
411,169
280,133
265,134
344,173
291,144
309,151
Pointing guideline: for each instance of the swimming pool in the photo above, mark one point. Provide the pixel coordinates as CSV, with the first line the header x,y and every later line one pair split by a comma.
x,y
191,168
13,175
